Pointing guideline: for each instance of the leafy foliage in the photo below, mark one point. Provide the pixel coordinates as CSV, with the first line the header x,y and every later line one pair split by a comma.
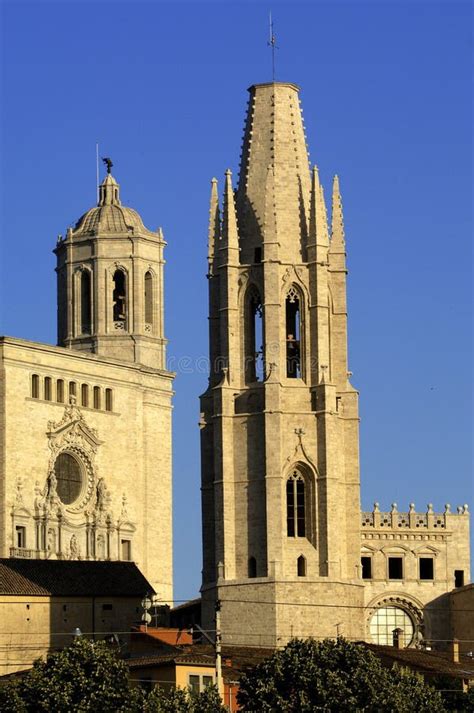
x,y
88,677
333,676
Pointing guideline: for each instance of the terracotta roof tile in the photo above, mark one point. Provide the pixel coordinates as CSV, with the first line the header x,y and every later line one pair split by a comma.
x,y
71,578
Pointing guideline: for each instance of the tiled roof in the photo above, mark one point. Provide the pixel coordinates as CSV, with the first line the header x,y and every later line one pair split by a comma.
x,y
235,659
72,578
429,663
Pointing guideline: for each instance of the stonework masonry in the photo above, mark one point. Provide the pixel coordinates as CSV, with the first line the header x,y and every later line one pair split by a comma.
x,y
86,426
285,552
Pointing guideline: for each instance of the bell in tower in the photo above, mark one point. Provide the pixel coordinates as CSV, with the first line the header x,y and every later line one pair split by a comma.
x,y
110,283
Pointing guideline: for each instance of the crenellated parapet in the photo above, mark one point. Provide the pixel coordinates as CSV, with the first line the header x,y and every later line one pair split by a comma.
x,y
411,520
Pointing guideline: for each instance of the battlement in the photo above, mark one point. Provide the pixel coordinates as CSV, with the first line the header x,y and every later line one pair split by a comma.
x,y
412,520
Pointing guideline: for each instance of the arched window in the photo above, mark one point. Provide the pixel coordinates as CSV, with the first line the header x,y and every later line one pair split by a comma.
x,y
119,297
148,299
301,566
86,312
293,334
254,356
108,400
60,391
85,395
47,388
68,474
35,386
72,388
96,396
295,505
252,568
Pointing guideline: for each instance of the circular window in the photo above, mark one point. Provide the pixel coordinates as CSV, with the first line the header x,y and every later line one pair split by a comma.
x,y
385,620
69,478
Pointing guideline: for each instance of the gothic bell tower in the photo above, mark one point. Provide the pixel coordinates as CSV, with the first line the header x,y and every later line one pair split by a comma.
x,y
110,283
279,430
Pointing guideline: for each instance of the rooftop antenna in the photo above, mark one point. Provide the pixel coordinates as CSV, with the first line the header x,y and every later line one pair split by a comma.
x,y
97,170
272,43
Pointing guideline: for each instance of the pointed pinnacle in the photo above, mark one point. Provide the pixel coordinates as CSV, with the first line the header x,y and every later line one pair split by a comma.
x,y
214,233
321,218
229,218
313,206
337,230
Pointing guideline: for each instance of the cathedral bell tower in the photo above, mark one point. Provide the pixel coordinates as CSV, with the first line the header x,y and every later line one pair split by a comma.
x,y
279,430
110,283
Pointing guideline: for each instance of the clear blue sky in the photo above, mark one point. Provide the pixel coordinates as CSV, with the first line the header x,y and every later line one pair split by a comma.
x,y
162,87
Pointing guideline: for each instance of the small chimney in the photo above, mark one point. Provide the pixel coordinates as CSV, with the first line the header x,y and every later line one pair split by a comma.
x,y
454,650
398,638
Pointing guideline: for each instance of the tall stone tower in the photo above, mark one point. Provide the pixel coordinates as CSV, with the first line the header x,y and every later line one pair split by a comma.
x,y
110,283
280,462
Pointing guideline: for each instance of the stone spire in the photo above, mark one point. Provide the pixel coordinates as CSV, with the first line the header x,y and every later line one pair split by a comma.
x,y
214,233
109,191
318,227
230,234
274,135
337,232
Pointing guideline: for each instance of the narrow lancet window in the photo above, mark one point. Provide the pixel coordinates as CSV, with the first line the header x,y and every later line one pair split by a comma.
x,y
35,386
295,505
85,395
254,356
86,311
47,388
96,396
60,391
148,300
301,566
119,297
293,335
108,400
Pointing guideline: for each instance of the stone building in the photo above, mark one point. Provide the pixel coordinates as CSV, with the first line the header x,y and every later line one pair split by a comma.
x,y
86,425
287,551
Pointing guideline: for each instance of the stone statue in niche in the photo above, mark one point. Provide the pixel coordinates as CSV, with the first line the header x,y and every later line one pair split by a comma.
x,y
51,484
102,495
73,548
101,547
51,541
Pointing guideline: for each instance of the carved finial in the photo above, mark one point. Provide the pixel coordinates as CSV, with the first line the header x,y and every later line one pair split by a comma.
x,y
376,507
466,509
19,488
412,507
394,507
430,508
447,509
460,510
230,234
337,230
324,368
214,232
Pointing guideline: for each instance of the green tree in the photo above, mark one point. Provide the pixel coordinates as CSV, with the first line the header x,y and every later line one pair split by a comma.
x,y
84,677
88,677
333,676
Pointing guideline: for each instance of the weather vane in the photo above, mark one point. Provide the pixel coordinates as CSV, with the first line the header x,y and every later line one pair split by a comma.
x,y
272,43
108,162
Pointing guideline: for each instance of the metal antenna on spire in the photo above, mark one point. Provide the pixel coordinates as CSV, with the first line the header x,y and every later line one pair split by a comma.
x,y
272,43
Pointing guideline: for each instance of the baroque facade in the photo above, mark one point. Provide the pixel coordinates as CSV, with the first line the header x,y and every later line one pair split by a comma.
x,y
86,425
287,551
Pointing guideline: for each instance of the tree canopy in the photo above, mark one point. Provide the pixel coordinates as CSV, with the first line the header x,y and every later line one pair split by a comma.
x,y
333,676
89,677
